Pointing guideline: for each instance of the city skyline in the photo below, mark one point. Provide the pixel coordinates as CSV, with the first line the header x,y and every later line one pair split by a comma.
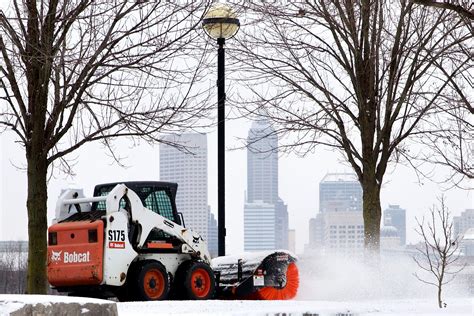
x,y
338,225
298,183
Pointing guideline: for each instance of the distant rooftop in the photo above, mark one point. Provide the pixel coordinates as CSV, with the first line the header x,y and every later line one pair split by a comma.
x,y
261,123
340,177
185,137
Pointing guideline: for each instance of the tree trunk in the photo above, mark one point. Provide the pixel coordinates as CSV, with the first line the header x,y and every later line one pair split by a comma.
x,y
37,222
372,212
440,303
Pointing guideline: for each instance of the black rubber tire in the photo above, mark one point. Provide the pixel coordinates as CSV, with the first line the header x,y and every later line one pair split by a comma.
x,y
193,277
149,275
122,294
126,292
177,289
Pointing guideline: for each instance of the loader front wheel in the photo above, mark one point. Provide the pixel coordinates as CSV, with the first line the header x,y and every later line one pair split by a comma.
x,y
152,282
199,281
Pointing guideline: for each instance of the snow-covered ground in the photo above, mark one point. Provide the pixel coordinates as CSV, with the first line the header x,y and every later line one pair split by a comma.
x,y
376,308
457,306
335,286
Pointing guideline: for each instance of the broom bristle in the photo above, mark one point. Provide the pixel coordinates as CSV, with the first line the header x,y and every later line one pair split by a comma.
x,y
286,293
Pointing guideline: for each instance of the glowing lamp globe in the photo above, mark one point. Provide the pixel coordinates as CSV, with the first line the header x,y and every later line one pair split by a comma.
x,y
220,22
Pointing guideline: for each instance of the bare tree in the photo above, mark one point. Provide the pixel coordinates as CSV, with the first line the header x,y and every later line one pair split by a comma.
x,y
439,253
12,268
78,71
7,263
464,8
360,77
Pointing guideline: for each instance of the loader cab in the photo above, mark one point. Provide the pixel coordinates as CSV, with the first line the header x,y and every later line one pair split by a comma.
x,y
157,196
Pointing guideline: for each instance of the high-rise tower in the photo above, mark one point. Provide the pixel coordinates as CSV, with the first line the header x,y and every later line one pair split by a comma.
x,y
262,163
189,170
265,214
339,225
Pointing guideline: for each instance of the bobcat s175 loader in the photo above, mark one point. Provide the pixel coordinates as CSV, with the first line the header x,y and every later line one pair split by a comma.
x,y
129,241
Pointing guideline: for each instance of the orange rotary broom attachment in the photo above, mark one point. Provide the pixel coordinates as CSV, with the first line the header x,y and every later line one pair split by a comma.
x,y
269,275
284,292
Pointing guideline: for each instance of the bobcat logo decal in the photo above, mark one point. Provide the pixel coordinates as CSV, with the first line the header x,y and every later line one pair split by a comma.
x,y
56,256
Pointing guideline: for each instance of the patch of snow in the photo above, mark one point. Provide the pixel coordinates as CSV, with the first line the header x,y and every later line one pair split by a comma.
x,y
248,257
384,307
266,308
12,302
9,307
48,299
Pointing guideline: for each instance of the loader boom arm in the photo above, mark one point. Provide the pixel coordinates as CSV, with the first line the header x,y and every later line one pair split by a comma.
x,y
147,219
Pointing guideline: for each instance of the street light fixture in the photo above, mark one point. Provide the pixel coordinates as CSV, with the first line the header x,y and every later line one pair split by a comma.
x,y
221,23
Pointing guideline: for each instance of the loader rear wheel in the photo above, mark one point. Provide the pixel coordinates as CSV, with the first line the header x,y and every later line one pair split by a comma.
x,y
152,283
199,281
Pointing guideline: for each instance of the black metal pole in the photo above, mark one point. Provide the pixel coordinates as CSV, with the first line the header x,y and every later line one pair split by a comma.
x,y
221,232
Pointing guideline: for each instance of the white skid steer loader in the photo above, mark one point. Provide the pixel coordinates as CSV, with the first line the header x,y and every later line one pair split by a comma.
x,y
129,241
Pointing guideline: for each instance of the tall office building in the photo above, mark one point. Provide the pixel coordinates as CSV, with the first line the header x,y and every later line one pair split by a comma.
x,y
463,222
265,214
339,225
340,192
190,172
343,231
262,163
396,217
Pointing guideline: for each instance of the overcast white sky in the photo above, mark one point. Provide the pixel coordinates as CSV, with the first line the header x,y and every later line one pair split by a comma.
x,y
298,184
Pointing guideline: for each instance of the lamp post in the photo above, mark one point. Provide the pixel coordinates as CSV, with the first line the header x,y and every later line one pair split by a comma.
x,y
220,23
